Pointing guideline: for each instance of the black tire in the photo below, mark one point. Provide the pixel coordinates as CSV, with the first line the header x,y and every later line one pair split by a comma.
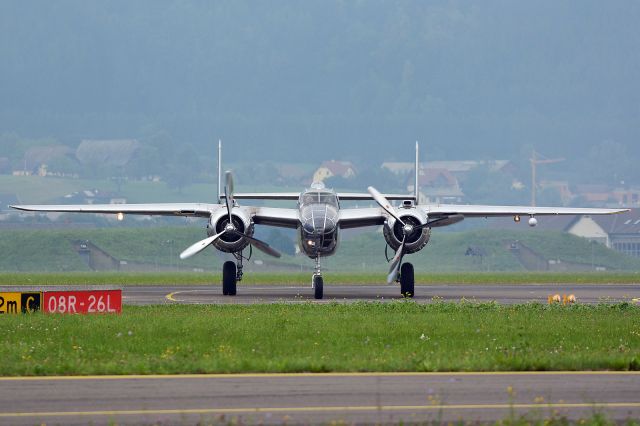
x,y
229,279
317,287
406,280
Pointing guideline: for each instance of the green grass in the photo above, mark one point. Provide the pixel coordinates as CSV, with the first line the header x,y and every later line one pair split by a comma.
x,y
446,252
53,251
157,248
296,278
401,336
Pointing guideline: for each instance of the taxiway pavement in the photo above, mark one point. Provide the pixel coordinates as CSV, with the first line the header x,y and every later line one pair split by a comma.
x,y
314,398
584,293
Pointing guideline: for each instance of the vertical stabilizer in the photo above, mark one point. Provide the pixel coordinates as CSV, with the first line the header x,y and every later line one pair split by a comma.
x,y
416,191
219,170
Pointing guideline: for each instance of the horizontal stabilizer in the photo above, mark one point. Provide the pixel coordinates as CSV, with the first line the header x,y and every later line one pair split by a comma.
x,y
343,196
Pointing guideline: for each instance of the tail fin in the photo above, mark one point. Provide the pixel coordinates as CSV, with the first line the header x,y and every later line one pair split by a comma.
x,y
416,190
219,170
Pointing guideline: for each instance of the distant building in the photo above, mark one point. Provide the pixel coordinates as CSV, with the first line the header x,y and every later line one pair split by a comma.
x,y
562,187
293,173
620,232
602,195
37,160
437,186
94,196
593,195
111,152
332,168
629,197
459,168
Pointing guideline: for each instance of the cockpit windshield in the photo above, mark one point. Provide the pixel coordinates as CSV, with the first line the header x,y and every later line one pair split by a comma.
x,y
321,197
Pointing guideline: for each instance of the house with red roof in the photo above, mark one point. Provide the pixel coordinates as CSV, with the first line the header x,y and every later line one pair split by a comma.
x,y
332,168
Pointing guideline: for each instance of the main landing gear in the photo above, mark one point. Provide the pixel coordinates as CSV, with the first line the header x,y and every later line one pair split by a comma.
x,y
316,281
406,280
231,274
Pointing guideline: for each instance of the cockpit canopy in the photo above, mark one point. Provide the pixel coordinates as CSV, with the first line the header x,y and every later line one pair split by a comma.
x,y
318,197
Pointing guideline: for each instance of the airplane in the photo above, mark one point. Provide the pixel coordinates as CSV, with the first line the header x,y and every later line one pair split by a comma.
x,y
319,219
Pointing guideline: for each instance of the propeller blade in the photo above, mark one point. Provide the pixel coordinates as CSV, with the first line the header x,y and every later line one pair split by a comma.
x,y
395,264
228,192
384,203
260,245
228,178
199,246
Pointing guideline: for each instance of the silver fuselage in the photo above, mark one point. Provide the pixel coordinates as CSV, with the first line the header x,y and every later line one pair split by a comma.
x,y
319,230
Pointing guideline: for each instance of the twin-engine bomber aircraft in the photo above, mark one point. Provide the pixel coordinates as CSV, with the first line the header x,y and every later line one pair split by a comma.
x,y
319,218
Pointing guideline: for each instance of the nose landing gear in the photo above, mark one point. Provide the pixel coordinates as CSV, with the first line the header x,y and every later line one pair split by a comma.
x,y
317,282
317,286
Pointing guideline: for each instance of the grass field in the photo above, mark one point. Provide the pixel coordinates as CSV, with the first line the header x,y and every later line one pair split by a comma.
x,y
297,278
157,249
402,336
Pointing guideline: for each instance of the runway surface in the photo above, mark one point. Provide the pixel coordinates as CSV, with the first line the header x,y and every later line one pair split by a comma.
x,y
313,398
584,293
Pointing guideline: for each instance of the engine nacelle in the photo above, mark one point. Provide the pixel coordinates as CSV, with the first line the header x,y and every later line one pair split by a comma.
x,y
228,242
414,242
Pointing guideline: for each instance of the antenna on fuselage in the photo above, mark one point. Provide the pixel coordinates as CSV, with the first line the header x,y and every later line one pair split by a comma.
x,y
416,191
219,170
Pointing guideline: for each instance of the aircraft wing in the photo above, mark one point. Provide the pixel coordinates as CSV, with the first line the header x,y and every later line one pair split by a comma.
x,y
354,196
261,215
447,214
355,218
440,210
265,196
163,209
271,216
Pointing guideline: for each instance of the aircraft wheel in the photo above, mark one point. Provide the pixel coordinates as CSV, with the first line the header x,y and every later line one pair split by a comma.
x,y
317,287
229,279
406,280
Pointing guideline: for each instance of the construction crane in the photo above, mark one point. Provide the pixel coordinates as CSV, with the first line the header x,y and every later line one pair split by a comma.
x,y
534,163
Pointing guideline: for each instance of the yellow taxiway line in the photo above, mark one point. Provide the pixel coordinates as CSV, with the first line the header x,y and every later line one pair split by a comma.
x,y
238,410
170,296
334,374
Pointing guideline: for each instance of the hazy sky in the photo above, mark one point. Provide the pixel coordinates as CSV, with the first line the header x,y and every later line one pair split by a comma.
x,y
291,79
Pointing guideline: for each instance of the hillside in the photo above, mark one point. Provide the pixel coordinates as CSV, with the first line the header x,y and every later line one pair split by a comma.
x,y
158,248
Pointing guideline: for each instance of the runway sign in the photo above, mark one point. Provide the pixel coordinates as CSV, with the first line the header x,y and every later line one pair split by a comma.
x,y
15,302
83,302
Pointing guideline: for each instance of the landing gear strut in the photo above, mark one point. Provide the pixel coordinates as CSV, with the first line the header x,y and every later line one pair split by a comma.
x,y
406,280
316,281
231,274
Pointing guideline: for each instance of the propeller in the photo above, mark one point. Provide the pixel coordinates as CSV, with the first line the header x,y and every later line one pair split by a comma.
x,y
395,263
407,229
260,245
384,203
228,192
229,228
199,246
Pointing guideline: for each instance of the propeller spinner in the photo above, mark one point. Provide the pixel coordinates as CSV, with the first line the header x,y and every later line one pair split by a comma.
x,y
229,228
